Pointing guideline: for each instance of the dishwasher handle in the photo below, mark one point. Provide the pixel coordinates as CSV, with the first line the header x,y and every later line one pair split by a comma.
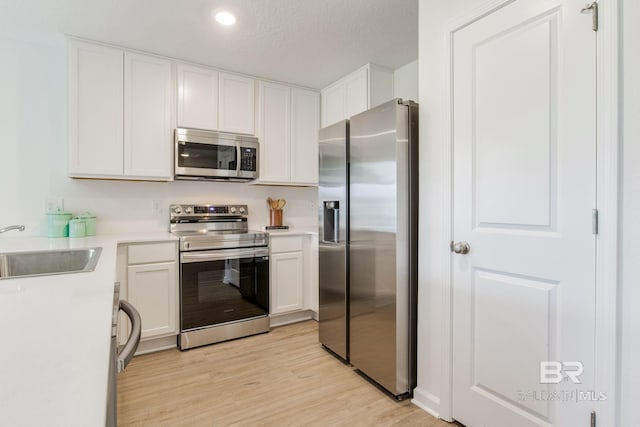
x,y
126,354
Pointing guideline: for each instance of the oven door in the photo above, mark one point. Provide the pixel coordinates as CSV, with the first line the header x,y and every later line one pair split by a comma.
x,y
223,286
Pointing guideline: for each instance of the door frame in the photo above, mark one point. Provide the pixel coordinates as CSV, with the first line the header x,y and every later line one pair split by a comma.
x,y
607,199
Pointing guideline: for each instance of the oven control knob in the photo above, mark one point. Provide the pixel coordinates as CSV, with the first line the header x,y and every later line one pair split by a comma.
x,y
232,209
187,209
242,210
177,210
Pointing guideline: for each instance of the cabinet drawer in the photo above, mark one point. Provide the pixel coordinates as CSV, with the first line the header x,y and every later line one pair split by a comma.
x,y
152,252
285,244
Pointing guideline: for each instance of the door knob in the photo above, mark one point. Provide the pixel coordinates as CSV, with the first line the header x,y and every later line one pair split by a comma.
x,y
460,247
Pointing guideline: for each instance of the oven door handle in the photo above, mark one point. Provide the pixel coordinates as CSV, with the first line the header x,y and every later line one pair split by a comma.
x,y
203,256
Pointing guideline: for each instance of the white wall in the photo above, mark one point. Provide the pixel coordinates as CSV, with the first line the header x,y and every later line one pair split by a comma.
x,y
433,249
33,119
433,15
629,369
405,81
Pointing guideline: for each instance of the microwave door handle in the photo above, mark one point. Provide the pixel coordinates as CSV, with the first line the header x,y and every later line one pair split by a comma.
x,y
238,160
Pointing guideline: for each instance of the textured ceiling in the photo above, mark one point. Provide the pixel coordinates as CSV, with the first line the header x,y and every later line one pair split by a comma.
x,y
306,42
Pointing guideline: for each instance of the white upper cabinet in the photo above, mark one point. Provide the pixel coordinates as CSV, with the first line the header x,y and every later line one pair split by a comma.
x,y
211,100
365,88
124,107
95,110
334,106
148,128
357,93
288,123
197,97
275,132
120,114
305,123
236,104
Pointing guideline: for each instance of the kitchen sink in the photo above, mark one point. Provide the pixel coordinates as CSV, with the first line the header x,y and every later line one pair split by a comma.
x,y
45,263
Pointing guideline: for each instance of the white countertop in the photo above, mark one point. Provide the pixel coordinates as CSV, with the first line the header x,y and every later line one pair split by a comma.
x,y
55,333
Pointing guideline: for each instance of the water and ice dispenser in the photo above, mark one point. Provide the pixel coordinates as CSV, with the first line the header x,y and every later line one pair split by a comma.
x,y
331,214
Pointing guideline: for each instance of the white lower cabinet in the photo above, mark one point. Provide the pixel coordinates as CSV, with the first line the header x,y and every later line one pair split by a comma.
x,y
152,291
293,285
148,275
287,270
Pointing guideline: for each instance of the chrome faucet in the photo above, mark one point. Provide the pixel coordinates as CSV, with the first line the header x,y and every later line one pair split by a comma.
x,y
12,227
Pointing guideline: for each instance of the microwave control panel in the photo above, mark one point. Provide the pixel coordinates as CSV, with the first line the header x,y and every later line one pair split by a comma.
x,y
248,159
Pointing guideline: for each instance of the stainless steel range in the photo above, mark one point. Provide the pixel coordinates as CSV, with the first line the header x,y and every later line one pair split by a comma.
x,y
224,274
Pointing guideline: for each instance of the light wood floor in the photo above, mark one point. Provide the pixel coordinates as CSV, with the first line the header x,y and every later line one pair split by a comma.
x,y
283,378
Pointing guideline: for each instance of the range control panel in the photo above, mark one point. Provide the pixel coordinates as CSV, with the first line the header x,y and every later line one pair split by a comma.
x,y
207,211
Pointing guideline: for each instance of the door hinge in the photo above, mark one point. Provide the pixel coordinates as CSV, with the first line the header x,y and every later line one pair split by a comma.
x,y
592,8
593,419
594,221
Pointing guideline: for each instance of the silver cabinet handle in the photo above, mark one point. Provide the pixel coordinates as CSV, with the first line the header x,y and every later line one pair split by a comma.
x,y
126,354
460,247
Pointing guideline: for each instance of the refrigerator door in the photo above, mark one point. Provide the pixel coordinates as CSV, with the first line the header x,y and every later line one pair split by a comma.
x,y
333,205
381,307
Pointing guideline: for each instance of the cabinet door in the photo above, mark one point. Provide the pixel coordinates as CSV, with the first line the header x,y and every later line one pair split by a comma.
x,y
357,90
305,118
148,127
275,132
153,290
236,104
286,282
95,110
197,97
380,86
333,104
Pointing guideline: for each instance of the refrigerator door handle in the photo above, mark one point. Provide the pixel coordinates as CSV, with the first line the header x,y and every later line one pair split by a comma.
x,y
331,221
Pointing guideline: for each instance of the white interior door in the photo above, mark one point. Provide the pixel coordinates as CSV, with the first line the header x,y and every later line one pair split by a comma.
x,y
524,165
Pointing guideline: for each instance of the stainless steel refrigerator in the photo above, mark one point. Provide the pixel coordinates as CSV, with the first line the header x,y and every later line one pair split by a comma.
x,y
381,189
333,197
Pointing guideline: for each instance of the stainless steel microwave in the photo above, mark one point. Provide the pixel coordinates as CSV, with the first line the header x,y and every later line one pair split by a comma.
x,y
201,154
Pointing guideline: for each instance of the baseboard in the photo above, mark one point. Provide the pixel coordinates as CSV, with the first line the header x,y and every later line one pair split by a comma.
x,y
157,344
427,402
276,320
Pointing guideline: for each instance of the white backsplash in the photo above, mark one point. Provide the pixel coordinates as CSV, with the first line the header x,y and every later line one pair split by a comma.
x,y
133,206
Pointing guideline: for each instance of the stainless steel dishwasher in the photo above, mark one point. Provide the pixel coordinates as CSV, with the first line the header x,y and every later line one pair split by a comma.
x,y
120,358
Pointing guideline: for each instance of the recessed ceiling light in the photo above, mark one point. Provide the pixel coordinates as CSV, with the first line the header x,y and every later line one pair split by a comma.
x,y
225,18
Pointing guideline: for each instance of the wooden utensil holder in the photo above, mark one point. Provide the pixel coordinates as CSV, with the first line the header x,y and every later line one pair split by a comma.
x,y
275,217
